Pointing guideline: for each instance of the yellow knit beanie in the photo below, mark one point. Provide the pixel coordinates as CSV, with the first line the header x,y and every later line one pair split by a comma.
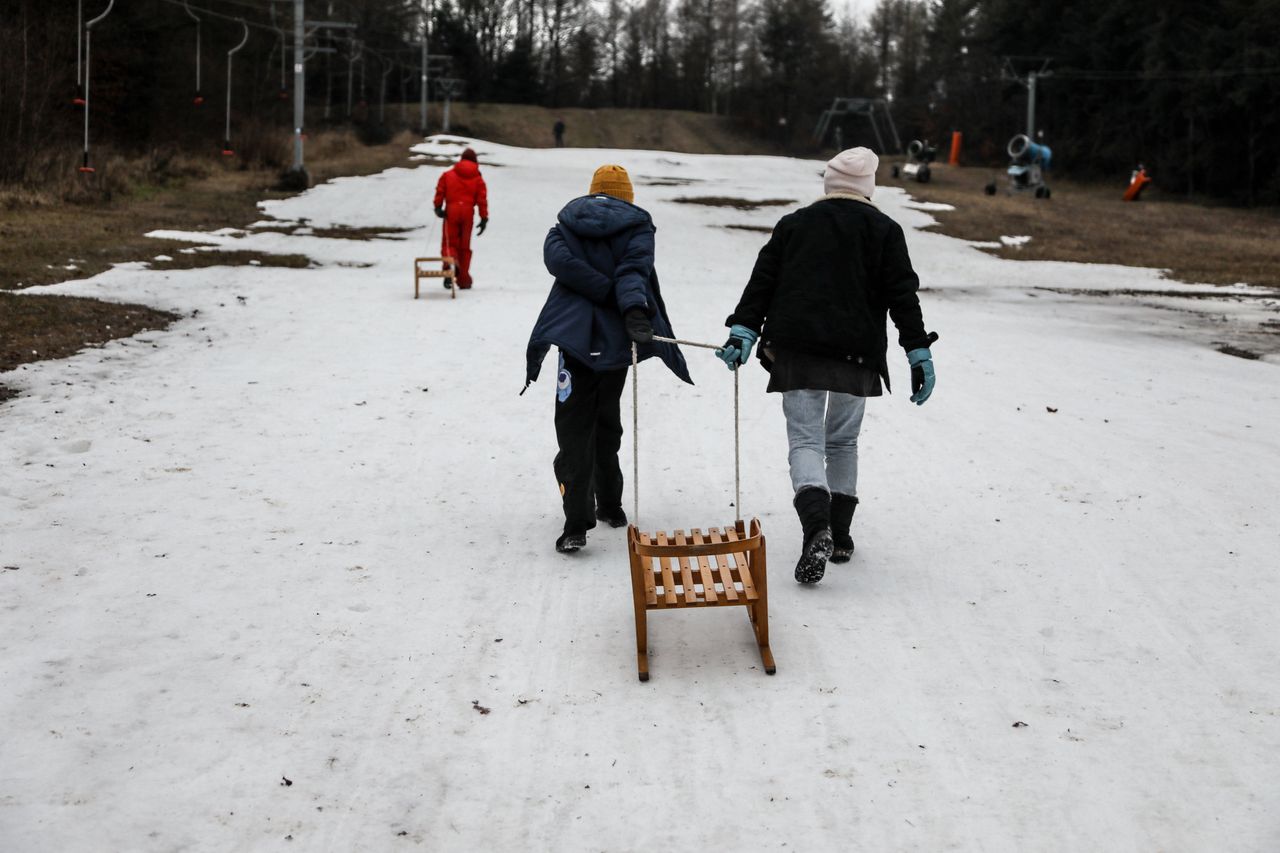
x,y
613,180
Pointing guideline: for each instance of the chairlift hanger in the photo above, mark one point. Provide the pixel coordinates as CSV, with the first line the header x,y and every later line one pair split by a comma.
x,y
227,150
199,96
88,54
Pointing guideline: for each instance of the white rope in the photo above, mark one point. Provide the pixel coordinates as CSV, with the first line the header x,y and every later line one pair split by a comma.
x,y
635,428
635,434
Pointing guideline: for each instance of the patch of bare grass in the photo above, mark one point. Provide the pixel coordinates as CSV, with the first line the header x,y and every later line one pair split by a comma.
x,y
655,130
665,181
349,232
1088,223
37,327
219,258
41,235
736,203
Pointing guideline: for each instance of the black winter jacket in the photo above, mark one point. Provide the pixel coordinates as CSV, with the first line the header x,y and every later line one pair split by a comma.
x,y
825,281
601,254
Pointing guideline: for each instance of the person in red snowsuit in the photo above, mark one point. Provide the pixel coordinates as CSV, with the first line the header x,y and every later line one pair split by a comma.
x,y
459,192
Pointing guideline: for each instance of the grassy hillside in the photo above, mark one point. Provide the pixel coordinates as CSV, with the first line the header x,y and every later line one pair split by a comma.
x,y
663,130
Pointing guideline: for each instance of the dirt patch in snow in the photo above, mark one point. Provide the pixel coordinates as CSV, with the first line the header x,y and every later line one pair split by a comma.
x,y
762,229
200,260
37,327
664,181
339,232
736,203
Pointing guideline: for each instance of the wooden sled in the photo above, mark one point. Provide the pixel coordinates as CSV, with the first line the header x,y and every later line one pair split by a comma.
x,y
715,569
448,271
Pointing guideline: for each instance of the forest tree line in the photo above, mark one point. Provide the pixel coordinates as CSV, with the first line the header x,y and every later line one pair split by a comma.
x,y
1187,88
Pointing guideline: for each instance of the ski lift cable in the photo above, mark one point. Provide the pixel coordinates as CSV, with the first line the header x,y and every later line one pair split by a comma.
x,y
1201,74
88,53
209,13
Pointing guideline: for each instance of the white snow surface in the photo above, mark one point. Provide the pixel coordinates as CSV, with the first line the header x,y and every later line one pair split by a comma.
x,y
300,532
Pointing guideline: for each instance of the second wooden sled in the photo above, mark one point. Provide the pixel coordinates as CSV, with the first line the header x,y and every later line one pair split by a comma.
x,y
715,569
448,271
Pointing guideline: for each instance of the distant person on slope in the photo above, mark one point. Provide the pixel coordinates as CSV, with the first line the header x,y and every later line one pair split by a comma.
x,y
557,130
604,297
459,192
817,301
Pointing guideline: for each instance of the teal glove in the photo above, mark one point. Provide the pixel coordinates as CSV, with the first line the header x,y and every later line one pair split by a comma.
x,y
921,361
737,349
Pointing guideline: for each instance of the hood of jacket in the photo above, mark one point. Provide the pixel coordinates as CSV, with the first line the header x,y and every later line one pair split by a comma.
x,y
467,169
600,216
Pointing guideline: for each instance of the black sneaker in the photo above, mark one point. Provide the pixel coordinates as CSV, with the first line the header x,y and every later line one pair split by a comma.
x,y
448,285
568,543
813,560
612,517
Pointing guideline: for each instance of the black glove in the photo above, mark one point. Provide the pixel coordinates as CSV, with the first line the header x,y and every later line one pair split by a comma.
x,y
483,223
440,212
639,329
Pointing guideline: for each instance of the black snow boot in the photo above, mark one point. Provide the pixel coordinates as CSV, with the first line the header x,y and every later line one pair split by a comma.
x,y
813,505
571,541
842,509
615,517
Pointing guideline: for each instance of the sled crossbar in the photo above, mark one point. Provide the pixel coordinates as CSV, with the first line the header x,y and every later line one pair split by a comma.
x,y
716,569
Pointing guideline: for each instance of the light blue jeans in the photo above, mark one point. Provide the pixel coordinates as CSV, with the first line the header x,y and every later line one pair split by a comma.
x,y
822,432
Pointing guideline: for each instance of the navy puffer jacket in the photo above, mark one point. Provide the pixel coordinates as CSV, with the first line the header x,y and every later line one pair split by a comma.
x,y
601,254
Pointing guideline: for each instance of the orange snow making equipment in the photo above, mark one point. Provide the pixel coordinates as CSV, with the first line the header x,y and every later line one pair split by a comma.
x,y
1139,180
719,568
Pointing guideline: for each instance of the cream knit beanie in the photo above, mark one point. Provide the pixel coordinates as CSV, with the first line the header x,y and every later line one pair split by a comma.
x,y
852,171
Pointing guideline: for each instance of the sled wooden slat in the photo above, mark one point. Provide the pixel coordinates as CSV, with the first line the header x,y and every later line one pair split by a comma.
x,y
448,271
734,559
704,571
726,568
686,576
650,594
740,564
668,582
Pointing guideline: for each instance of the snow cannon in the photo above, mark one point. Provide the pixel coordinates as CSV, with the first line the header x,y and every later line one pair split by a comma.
x,y
921,154
1028,162
1137,181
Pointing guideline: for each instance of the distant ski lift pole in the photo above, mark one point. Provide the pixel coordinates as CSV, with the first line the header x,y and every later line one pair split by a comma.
x,y
199,97
227,150
88,54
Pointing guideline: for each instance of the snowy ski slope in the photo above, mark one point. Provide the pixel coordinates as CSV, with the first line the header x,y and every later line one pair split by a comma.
x,y
306,534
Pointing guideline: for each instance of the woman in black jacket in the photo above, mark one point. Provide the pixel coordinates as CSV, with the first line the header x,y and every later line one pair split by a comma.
x,y
605,296
817,301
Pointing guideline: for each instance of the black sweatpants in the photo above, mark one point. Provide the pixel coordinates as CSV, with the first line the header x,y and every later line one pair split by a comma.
x,y
589,432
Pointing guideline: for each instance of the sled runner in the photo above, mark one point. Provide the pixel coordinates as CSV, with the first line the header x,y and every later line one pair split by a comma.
x,y
716,569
